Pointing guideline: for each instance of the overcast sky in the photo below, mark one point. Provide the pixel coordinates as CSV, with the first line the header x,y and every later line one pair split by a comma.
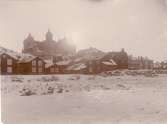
x,y
139,26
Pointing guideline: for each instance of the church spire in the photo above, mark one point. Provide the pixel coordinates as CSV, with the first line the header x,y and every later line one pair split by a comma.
x,y
49,36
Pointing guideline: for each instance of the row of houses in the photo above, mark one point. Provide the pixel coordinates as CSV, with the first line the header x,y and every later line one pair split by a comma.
x,y
28,64
88,61
16,63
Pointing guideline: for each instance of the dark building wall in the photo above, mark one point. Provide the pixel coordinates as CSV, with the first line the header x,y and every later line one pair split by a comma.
x,y
121,59
24,68
27,67
93,66
54,69
62,69
5,67
108,67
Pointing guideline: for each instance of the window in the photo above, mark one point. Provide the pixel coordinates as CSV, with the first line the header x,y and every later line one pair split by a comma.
x,y
33,63
39,70
56,69
9,61
9,69
52,69
33,69
40,63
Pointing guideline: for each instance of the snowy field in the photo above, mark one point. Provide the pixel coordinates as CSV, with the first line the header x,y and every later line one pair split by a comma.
x,y
84,99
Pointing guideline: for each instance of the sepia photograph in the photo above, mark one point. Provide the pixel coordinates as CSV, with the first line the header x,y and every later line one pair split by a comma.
x,y
83,61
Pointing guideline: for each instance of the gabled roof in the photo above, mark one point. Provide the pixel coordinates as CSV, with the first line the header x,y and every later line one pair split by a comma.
x,y
90,54
64,62
26,58
110,62
77,67
11,53
21,57
113,62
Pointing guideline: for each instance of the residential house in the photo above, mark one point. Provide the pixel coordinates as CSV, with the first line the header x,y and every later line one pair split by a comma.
x,y
28,64
62,65
77,68
91,65
121,58
51,67
108,65
8,63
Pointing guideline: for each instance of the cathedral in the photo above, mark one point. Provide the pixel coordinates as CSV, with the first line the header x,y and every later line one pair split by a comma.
x,y
48,48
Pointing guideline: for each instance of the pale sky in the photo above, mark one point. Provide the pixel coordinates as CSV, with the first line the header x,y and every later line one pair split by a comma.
x,y
139,26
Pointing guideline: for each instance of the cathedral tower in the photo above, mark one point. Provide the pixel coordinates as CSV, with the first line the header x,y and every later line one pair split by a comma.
x,y
28,42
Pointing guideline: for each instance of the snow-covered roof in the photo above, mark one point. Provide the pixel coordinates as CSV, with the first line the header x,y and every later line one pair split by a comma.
x,y
77,59
24,58
107,63
110,62
113,62
48,63
91,54
64,62
21,57
89,50
77,67
11,53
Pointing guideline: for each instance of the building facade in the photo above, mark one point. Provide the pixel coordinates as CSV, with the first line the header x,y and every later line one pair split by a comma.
x,y
31,66
121,58
8,64
48,48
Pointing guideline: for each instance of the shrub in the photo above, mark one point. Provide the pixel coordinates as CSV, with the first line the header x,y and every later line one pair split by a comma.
x,y
50,90
17,79
27,92
60,90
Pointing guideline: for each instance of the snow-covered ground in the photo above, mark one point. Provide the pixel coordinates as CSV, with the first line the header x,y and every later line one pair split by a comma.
x,y
84,99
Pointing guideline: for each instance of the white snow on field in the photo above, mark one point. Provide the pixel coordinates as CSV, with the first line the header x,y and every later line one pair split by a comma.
x,y
84,99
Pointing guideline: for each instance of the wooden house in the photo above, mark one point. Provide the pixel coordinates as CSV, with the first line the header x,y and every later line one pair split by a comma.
x,y
77,68
108,65
8,63
91,63
51,67
62,65
93,66
121,58
31,65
